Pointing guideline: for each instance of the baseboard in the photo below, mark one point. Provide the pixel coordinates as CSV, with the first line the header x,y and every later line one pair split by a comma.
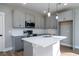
x,y
65,44
76,47
6,49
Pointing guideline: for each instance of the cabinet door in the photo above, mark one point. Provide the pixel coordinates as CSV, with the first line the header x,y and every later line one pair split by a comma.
x,y
17,43
19,19
67,15
51,22
60,16
39,22
28,49
48,23
29,18
32,17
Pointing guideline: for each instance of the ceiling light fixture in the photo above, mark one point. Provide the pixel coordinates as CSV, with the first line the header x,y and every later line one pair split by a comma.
x,y
56,11
49,13
24,3
65,4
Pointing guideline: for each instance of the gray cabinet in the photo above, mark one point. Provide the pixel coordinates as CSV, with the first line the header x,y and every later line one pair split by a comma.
x,y
18,19
39,22
28,49
29,18
17,43
60,17
65,16
51,22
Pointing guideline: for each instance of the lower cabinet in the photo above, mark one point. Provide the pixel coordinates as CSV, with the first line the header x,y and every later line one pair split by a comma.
x,y
17,43
28,49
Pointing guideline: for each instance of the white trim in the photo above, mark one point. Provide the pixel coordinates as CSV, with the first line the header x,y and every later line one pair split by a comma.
x,y
6,49
66,44
3,37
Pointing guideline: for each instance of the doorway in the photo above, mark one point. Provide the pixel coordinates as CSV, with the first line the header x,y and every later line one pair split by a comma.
x,y
66,29
2,31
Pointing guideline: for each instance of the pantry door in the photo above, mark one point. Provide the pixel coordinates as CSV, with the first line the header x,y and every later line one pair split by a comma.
x,y
66,29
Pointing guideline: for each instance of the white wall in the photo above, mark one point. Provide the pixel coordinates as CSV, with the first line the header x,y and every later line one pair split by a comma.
x,y
8,18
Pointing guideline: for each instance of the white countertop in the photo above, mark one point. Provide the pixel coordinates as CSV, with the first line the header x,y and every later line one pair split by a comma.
x,y
44,41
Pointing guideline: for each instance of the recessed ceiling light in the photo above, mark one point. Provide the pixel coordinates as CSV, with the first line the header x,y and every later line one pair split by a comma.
x,y
65,4
24,3
44,11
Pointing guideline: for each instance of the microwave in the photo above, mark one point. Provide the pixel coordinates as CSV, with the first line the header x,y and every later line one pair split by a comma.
x,y
29,25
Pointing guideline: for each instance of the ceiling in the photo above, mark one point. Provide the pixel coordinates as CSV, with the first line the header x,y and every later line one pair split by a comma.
x,y
40,7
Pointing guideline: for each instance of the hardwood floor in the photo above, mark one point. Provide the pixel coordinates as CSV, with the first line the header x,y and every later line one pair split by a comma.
x,y
65,51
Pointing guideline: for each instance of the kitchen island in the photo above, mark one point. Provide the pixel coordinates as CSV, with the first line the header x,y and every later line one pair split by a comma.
x,y
45,45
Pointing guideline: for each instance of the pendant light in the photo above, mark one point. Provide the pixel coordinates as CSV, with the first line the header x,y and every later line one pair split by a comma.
x,y
49,13
56,16
56,11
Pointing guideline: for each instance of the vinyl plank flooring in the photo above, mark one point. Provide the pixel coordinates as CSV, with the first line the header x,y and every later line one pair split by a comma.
x,y
65,51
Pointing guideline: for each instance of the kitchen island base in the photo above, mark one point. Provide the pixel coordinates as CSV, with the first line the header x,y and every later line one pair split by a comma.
x,y
35,50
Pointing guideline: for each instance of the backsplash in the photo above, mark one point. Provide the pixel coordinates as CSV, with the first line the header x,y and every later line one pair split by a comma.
x,y
19,32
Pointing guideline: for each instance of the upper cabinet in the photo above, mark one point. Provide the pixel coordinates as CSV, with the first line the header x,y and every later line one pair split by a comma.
x,y
39,22
18,19
51,22
65,16
60,17
29,18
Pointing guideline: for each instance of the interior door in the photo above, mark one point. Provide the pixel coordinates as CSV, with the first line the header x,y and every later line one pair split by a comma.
x,y
1,31
66,29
